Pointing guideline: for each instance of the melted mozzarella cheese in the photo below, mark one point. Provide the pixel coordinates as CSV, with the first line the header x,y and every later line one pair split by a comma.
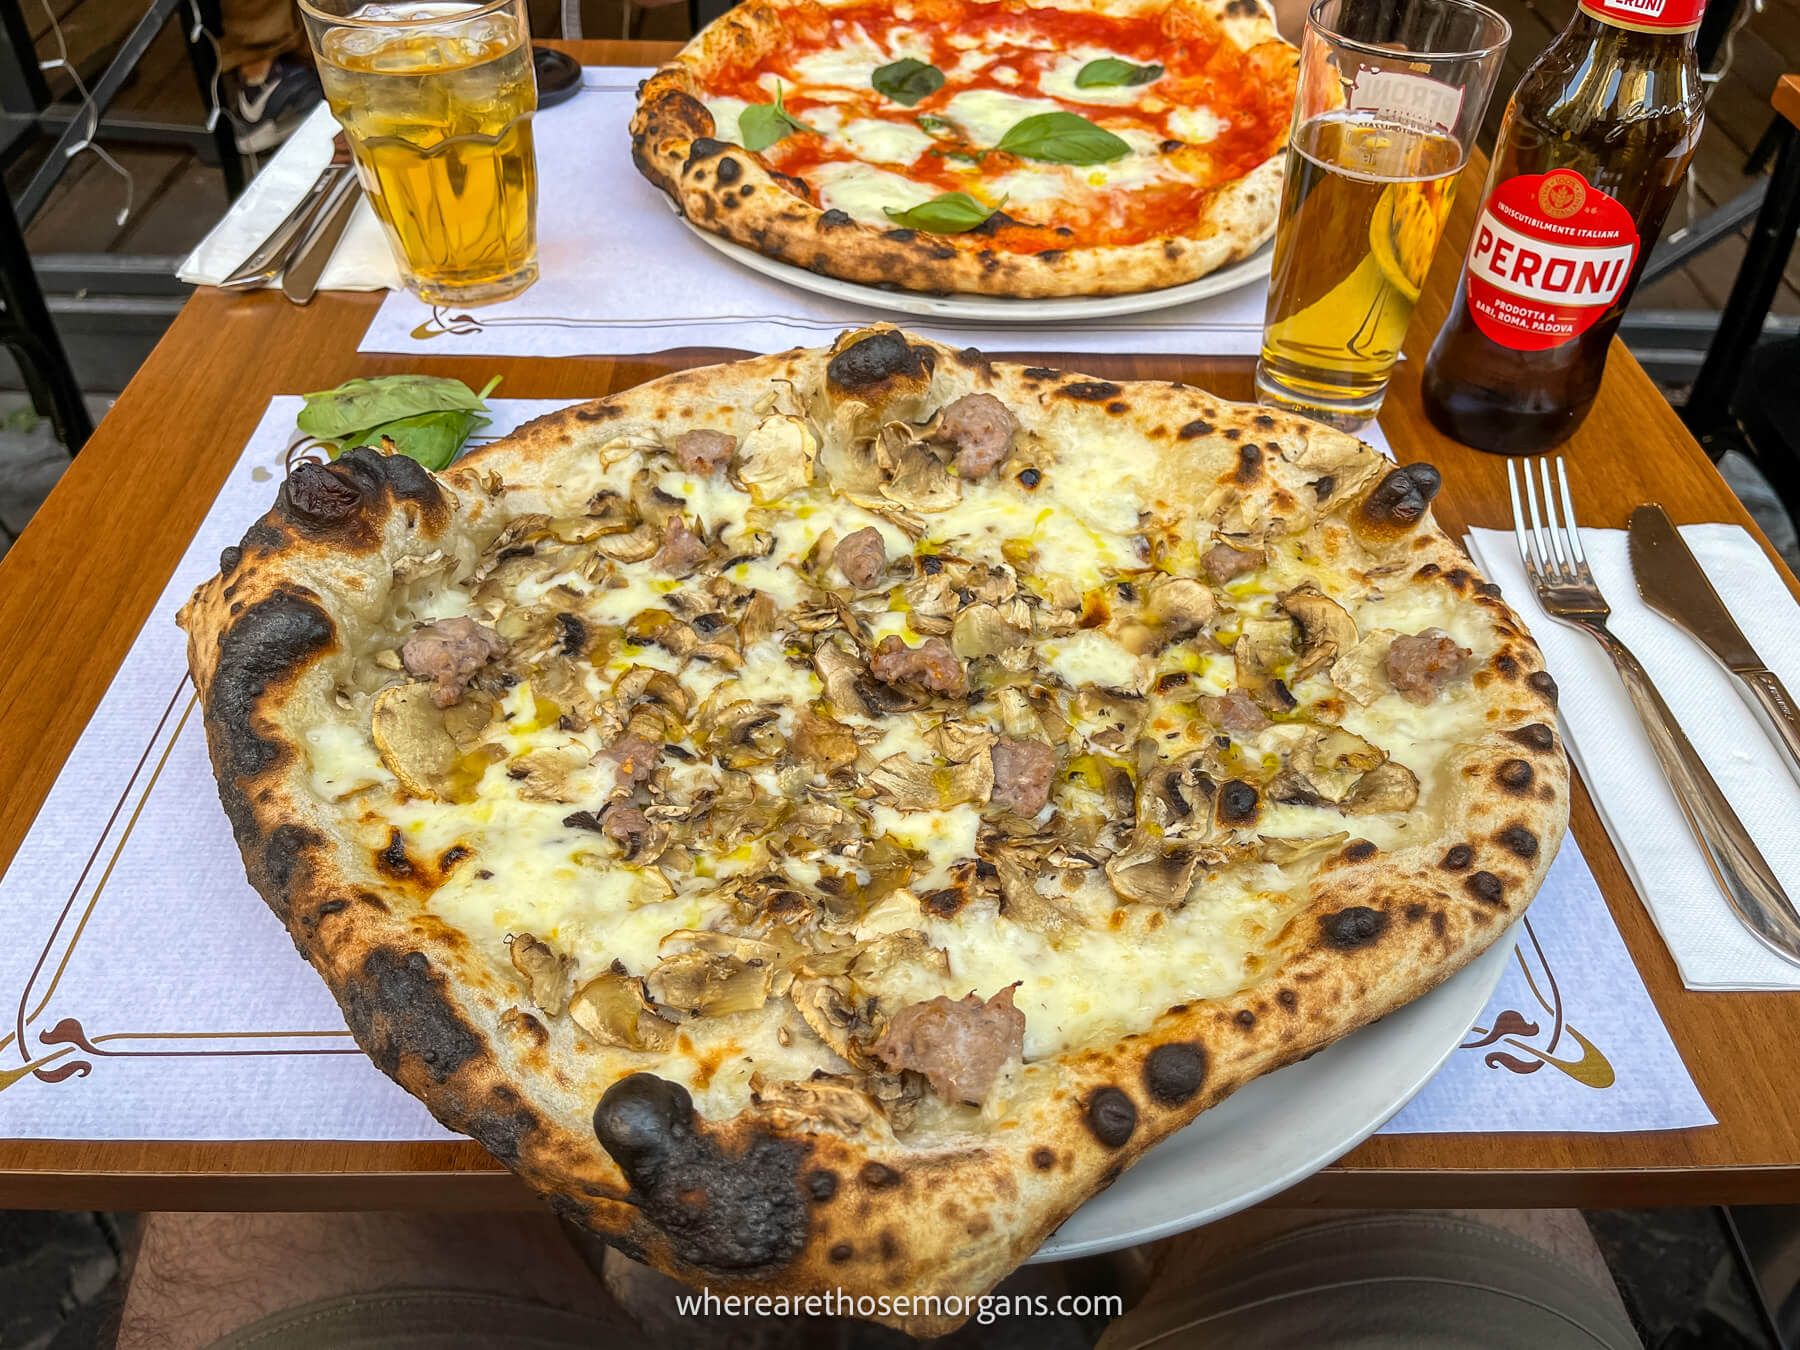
x,y
1196,126
988,114
1090,658
862,192
725,112
884,142
1059,81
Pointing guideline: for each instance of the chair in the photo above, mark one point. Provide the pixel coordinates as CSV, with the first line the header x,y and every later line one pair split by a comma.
x,y
1747,394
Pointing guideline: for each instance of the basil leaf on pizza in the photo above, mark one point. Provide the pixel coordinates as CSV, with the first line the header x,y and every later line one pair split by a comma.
x,y
763,124
908,80
1063,138
946,213
1110,72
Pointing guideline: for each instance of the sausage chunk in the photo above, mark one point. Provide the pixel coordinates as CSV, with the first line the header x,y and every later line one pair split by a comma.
x,y
931,664
960,1045
449,653
1419,665
1234,712
861,557
624,823
681,551
1023,771
981,428
1222,562
704,452
633,759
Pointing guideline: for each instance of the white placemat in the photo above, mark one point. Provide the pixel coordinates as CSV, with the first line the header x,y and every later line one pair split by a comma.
x,y
622,275
146,992
1607,741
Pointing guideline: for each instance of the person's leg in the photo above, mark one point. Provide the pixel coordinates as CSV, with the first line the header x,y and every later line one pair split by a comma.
x,y
266,83
198,1277
1274,1279
255,33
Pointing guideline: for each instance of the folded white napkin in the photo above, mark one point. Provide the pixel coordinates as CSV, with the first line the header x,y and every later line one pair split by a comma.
x,y
1608,744
361,261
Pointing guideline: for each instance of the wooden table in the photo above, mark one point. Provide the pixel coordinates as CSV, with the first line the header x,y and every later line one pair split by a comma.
x,y
76,587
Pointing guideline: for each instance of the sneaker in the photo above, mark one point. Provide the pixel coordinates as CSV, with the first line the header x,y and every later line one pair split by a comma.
x,y
264,112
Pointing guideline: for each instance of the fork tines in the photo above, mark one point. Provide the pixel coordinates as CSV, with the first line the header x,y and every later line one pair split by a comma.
x,y
1551,549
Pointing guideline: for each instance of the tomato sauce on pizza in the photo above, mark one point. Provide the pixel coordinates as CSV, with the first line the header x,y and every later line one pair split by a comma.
x,y
1139,118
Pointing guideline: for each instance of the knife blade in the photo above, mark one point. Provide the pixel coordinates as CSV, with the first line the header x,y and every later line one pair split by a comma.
x,y
271,256
1672,583
300,282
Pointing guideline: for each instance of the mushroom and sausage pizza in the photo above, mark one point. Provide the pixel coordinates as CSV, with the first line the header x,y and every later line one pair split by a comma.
x,y
819,819
991,146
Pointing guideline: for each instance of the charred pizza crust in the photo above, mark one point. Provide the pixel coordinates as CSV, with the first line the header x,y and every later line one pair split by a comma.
x,y
733,192
752,1203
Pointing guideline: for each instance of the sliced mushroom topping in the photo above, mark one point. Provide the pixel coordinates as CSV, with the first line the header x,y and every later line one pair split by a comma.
x,y
703,452
1420,664
1154,872
960,1045
1262,648
1224,561
775,460
1281,852
1332,759
830,1007
614,1011
1386,787
861,557
932,664
1020,899
634,545
760,618
413,741
650,685
1172,795
824,1099
546,972
1178,607
450,653
981,428
921,482
544,775
1326,629
1361,672
707,980
959,741
1107,720
983,630
659,628
745,734
825,744
908,785
931,602
842,673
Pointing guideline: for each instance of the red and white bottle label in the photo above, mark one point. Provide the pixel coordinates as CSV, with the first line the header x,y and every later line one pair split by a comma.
x,y
1661,16
1551,252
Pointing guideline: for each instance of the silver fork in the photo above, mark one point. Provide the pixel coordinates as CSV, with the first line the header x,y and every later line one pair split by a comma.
x,y
1565,587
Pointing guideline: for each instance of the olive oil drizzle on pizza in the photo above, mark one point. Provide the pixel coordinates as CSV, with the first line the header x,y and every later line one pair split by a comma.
x,y
1192,110
803,752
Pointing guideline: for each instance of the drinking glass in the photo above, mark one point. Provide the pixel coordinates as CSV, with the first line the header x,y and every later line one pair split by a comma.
x,y
436,100
1391,94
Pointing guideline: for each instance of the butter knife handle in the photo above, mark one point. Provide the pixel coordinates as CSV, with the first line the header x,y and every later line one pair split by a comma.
x,y
1781,715
1743,875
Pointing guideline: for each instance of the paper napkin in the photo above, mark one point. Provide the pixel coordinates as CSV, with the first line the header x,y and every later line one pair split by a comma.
x,y
360,262
1608,744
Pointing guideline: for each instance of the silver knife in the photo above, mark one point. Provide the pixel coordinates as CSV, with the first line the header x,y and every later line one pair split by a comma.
x,y
1673,584
272,255
300,282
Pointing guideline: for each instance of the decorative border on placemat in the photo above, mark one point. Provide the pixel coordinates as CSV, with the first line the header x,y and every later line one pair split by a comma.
x,y
73,1047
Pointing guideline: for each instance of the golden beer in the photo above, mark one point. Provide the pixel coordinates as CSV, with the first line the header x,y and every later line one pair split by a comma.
x,y
436,100
1363,204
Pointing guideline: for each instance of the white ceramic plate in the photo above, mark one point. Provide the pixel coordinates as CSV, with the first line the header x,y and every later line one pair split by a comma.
x,y
993,308
1281,1129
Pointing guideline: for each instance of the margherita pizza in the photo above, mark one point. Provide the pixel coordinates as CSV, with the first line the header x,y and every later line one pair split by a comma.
x,y
988,146
819,819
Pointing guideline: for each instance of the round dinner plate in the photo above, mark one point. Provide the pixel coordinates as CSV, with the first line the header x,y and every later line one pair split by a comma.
x,y
1282,1128
995,308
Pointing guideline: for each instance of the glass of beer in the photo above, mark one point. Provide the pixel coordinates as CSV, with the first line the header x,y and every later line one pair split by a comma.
x,y
436,99
1390,97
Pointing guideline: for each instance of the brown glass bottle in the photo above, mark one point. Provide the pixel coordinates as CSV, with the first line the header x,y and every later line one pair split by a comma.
x,y
1611,110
